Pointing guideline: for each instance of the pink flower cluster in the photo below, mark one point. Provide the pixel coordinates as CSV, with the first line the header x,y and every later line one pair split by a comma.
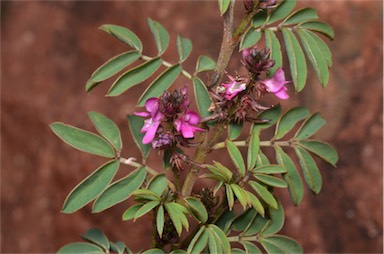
x,y
172,110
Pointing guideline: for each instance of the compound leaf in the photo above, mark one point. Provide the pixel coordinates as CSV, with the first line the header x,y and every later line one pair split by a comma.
x,y
160,34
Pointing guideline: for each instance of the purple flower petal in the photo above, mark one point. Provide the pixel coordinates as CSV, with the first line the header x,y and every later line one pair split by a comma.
x,y
282,94
191,117
151,133
142,114
152,105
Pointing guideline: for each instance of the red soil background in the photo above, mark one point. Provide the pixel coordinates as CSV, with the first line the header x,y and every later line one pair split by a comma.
x,y
48,51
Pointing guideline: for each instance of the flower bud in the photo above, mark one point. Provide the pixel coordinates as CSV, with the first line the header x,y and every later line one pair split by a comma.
x,y
257,61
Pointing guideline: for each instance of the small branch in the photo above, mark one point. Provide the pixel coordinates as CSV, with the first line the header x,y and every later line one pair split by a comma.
x,y
168,64
131,162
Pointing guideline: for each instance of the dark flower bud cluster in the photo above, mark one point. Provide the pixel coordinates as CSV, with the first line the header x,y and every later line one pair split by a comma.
x,y
257,61
239,98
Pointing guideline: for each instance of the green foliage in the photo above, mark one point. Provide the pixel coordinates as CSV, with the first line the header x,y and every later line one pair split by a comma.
x,y
83,140
90,187
243,208
119,190
304,22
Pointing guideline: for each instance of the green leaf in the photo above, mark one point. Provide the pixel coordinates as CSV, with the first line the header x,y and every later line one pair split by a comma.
x,y
83,140
325,151
264,194
319,26
96,236
119,190
218,168
271,180
324,49
160,84
238,251
271,115
107,128
270,169
236,157
256,225
289,120
296,59
223,6
134,76
234,130
135,125
282,11
174,215
283,243
158,184
197,209
90,187
301,15
113,66
256,204
90,85
205,63
241,195
184,47
310,126
311,172
200,243
160,34
249,39
276,221
250,248
253,150
315,56
262,160
144,195
123,34
178,252
223,238
213,242
292,177
225,220
230,196
195,239
273,44
203,99
243,221
260,18
153,251
119,247
80,247
146,208
160,221
129,214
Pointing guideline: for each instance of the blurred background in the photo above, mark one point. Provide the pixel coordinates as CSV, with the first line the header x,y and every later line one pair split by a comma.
x,y
48,51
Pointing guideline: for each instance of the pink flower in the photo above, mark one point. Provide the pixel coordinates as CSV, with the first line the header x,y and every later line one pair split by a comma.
x,y
151,124
276,84
234,87
186,123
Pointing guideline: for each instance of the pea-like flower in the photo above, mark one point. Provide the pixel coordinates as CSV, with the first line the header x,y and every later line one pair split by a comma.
x,y
151,124
186,123
276,84
234,87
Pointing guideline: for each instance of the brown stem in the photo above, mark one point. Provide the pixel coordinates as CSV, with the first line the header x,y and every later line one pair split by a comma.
x,y
229,43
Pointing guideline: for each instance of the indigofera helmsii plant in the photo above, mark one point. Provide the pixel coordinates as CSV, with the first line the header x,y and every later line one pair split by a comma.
x,y
239,212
